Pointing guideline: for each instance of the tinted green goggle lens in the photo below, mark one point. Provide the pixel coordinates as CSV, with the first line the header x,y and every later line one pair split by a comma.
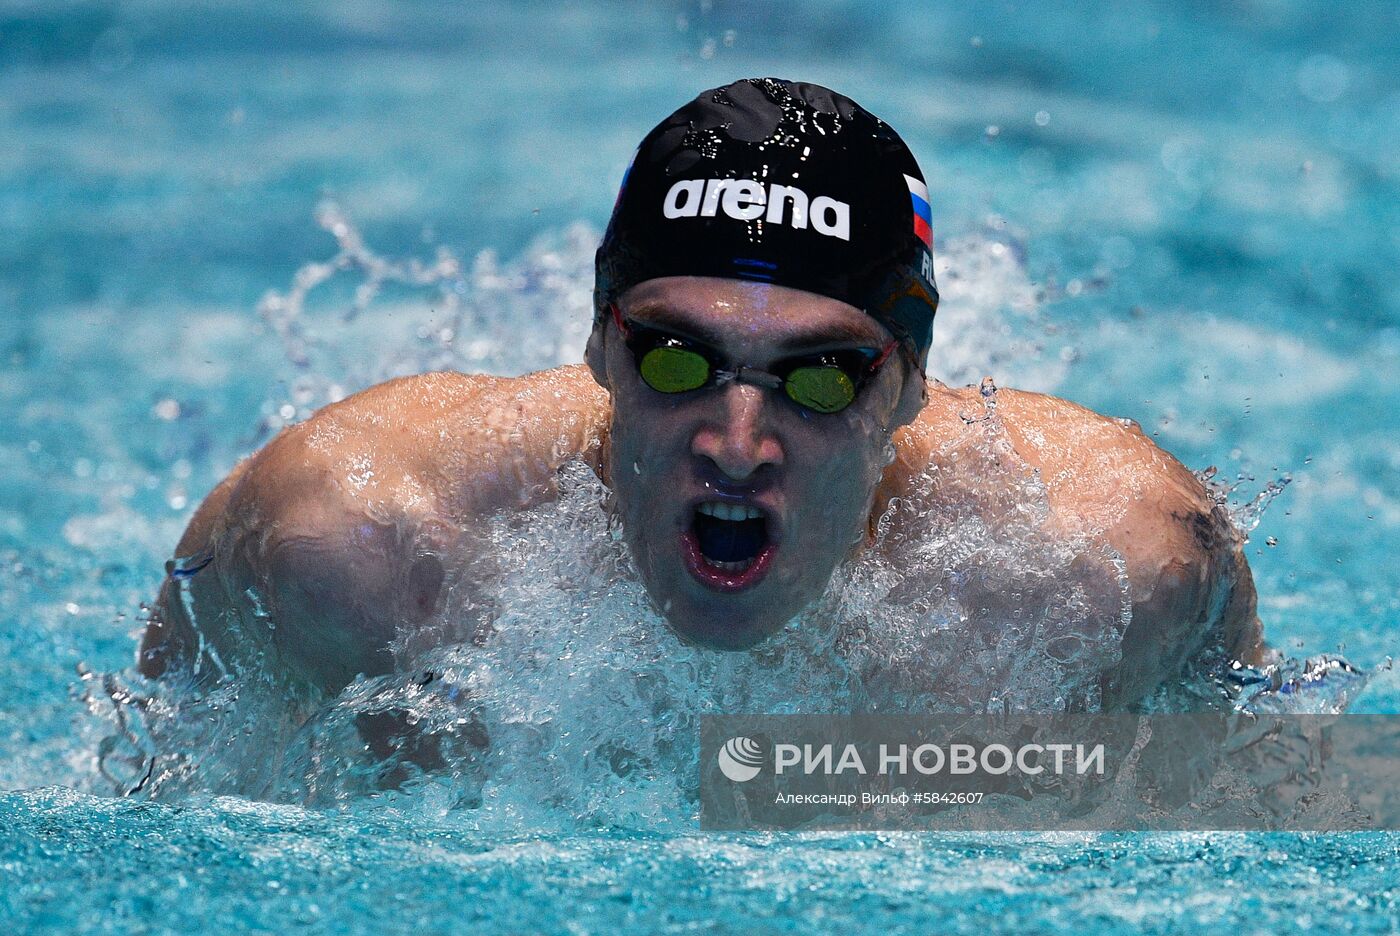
x,y
674,370
820,388
823,389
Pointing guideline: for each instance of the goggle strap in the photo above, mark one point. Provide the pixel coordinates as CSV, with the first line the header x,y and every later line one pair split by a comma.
x,y
884,356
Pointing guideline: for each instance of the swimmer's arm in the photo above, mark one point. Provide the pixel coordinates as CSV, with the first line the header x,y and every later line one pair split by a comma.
x,y
329,540
170,637
286,565
1188,578
277,563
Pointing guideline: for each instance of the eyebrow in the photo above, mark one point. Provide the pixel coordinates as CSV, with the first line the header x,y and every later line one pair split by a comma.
x,y
843,334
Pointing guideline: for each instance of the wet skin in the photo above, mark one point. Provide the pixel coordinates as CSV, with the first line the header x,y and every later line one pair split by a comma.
x,y
348,529
813,476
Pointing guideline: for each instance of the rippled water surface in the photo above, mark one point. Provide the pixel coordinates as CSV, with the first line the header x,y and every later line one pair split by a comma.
x,y
1185,214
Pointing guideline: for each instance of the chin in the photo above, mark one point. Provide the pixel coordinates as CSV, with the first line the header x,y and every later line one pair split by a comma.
x,y
718,618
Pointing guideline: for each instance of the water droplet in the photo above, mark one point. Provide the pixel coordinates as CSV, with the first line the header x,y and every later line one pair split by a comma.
x,y
1323,78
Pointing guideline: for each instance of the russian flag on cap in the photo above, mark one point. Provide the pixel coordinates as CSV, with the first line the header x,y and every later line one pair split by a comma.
x,y
923,217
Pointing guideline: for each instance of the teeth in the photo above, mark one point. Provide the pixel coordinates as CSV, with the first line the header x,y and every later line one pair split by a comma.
x,y
729,511
733,566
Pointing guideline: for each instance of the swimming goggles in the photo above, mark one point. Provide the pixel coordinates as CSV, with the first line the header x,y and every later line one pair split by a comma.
x,y
824,382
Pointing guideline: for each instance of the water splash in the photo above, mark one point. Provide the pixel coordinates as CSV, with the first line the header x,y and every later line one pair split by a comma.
x,y
942,610
990,317
1245,515
581,707
565,700
467,318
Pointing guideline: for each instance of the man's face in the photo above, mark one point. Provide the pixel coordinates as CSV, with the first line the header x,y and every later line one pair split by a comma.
x,y
736,502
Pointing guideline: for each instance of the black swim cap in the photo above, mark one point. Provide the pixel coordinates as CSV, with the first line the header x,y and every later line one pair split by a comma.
x,y
784,183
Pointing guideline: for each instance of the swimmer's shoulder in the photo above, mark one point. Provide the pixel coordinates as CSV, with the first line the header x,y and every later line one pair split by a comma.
x,y
338,524
443,443
1075,450
1104,478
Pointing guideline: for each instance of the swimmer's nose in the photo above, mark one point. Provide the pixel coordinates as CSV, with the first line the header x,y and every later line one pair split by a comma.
x,y
738,439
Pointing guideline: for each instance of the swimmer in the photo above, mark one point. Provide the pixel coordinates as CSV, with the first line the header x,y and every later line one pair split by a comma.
x,y
754,396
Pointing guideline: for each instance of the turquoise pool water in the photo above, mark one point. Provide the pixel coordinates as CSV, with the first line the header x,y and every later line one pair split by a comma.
x,y
1186,214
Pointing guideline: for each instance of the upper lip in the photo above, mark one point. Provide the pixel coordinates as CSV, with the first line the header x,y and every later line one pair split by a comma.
x,y
773,527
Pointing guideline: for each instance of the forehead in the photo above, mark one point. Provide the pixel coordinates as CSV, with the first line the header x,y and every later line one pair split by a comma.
x,y
726,312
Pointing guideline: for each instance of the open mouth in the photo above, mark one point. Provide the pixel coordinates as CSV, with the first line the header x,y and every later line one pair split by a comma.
x,y
728,546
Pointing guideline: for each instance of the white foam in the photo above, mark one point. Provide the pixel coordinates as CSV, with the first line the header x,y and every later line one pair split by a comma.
x,y
576,703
